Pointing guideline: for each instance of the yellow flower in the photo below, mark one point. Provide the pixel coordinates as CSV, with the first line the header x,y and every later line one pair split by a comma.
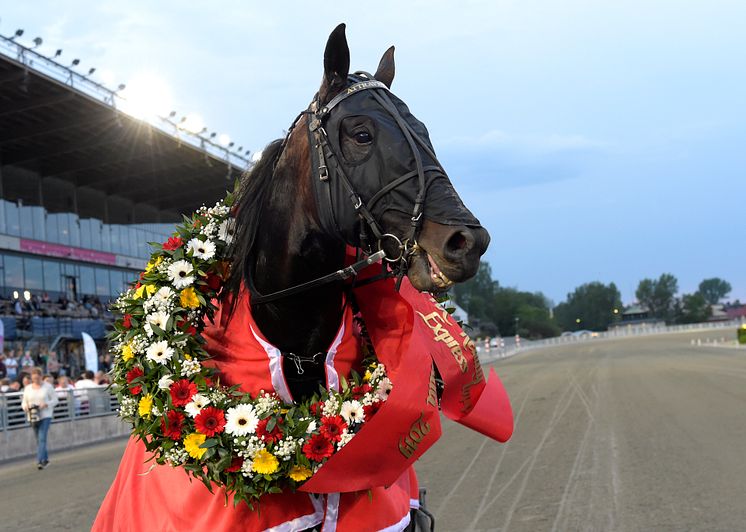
x,y
151,289
139,292
153,264
265,462
127,353
368,375
145,405
192,445
299,473
189,298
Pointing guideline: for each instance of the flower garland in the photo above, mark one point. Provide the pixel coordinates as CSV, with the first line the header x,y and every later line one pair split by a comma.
x,y
177,407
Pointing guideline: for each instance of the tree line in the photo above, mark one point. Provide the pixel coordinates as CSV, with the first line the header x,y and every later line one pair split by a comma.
x,y
496,310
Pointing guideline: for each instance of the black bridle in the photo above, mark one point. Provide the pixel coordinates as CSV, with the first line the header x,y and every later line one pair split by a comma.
x,y
329,172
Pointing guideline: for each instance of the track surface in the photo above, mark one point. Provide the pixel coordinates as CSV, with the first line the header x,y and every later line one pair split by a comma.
x,y
634,434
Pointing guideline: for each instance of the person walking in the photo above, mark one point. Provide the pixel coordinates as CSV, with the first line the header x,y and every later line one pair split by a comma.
x,y
39,399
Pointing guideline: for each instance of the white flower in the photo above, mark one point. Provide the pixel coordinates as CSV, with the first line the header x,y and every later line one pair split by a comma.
x,y
159,318
352,411
160,300
190,367
311,427
165,382
344,438
208,229
226,231
204,250
180,274
198,402
241,420
159,352
384,389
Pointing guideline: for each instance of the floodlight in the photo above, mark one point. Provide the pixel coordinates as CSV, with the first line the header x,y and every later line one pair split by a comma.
x,y
75,62
224,139
91,71
212,135
26,295
15,294
231,144
19,32
192,123
37,42
58,52
121,87
172,114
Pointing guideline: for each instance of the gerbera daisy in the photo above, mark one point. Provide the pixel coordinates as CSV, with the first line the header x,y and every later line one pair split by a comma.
x,y
265,463
352,411
236,464
165,382
180,274
192,445
162,297
359,391
241,420
271,436
332,427
204,250
299,473
159,352
171,424
159,319
317,448
371,409
226,231
210,421
173,243
195,406
182,392
133,374
384,389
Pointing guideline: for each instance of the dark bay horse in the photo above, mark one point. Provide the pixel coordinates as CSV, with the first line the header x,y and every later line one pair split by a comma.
x,y
356,170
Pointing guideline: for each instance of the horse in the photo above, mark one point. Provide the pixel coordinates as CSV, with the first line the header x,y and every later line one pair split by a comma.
x,y
355,180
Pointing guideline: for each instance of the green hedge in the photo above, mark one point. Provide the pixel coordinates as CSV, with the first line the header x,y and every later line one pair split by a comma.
x,y
742,334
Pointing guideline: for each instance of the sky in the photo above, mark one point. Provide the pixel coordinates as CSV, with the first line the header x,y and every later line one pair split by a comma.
x,y
596,141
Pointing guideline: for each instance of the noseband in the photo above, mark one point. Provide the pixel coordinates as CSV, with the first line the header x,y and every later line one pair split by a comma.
x,y
328,172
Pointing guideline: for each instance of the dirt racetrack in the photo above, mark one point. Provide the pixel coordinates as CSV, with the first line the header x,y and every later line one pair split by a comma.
x,y
634,434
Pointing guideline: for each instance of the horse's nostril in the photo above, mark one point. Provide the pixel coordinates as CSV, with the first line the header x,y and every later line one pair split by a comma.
x,y
459,243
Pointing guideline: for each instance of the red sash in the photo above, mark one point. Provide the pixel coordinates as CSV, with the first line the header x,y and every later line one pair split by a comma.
x,y
410,331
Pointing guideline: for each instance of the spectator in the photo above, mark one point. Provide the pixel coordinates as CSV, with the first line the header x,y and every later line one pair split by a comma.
x,y
65,391
18,307
38,402
45,298
53,364
5,385
27,361
81,391
49,380
15,386
3,369
102,379
11,365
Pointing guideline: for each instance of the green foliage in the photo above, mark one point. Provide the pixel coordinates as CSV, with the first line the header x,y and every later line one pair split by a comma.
x,y
742,335
694,308
658,295
591,303
713,290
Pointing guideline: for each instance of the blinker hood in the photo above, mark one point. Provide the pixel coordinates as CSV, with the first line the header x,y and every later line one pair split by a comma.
x,y
389,178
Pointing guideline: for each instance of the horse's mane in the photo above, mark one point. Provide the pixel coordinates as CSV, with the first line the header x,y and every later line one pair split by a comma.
x,y
248,206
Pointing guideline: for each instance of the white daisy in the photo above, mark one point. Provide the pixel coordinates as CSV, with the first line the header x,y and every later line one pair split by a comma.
x,y
352,411
159,319
165,382
180,274
384,389
204,250
241,420
311,427
226,231
198,402
159,352
161,298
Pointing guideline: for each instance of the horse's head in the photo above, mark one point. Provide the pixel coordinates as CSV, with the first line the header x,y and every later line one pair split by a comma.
x,y
378,181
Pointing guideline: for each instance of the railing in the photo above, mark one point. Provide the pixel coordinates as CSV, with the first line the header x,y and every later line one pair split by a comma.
x,y
512,347
73,404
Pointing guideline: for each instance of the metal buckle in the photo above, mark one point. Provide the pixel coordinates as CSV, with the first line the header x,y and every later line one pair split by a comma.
x,y
323,172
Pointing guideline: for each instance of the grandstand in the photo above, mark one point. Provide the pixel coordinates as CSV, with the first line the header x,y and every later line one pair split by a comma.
x,y
83,187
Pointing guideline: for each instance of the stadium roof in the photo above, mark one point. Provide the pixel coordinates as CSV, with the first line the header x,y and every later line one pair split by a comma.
x,y
56,123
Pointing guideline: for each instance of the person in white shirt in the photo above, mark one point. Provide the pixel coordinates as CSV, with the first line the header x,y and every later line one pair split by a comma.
x,y
11,365
38,402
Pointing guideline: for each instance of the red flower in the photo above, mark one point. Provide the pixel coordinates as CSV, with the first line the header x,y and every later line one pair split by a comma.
x,y
332,427
132,375
171,424
182,392
191,330
173,243
359,391
371,409
127,321
236,464
214,281
272,436
210,421
317,448
315,408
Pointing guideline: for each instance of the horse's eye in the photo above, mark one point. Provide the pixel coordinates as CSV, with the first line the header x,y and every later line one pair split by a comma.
x,y
363,137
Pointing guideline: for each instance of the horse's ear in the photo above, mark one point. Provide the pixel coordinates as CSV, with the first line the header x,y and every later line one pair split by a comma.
x,y
386,70
336,64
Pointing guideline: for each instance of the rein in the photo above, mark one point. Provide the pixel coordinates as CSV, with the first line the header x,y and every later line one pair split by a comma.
x,y
326,167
